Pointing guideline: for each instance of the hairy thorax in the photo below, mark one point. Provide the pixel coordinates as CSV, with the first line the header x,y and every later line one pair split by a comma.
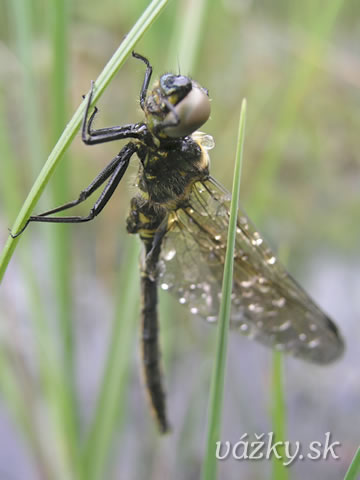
x,y
167,173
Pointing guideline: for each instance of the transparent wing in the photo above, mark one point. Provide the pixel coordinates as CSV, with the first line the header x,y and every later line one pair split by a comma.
x,y
267,304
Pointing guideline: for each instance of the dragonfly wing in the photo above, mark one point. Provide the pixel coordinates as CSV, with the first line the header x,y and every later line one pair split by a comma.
x,y
267,303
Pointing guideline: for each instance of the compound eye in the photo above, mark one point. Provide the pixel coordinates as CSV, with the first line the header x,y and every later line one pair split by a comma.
x,y
170,84
193,111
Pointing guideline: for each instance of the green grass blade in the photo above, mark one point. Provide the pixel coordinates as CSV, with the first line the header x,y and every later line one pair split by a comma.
x,y
105,77
278,405
60,238
279,471
112,394
15,392
354,469
21,25
218,377
21,407
58,415
187,38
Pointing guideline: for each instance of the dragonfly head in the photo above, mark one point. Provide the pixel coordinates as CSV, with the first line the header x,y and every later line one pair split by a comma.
x,y
177,106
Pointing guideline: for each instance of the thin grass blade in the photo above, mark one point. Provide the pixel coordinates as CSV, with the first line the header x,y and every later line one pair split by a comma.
x,y
110,406
354,469
279,470
218,376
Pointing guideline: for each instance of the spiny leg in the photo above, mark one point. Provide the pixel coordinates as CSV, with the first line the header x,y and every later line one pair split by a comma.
x,y
115,170
102,135
90,189
147,78
92,137
153,254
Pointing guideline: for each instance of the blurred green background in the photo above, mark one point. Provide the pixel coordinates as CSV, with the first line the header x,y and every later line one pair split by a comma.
x,y
69,291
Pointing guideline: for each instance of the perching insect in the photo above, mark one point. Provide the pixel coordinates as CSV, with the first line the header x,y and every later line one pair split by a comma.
x,y
181,214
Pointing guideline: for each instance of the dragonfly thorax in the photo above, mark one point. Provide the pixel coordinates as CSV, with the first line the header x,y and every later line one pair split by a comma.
x,y
167,173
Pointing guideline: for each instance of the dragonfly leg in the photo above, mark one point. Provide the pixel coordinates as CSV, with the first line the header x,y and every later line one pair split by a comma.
x,y
152,256
115,170
147,78
109,134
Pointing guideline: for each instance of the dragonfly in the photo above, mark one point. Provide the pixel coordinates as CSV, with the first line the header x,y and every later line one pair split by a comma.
x,y
181,214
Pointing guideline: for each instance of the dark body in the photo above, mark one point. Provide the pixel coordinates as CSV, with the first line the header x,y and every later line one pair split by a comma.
x,y
166,175
181,215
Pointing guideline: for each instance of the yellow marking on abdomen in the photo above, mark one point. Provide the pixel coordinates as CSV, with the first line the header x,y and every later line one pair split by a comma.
x,y
147,232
